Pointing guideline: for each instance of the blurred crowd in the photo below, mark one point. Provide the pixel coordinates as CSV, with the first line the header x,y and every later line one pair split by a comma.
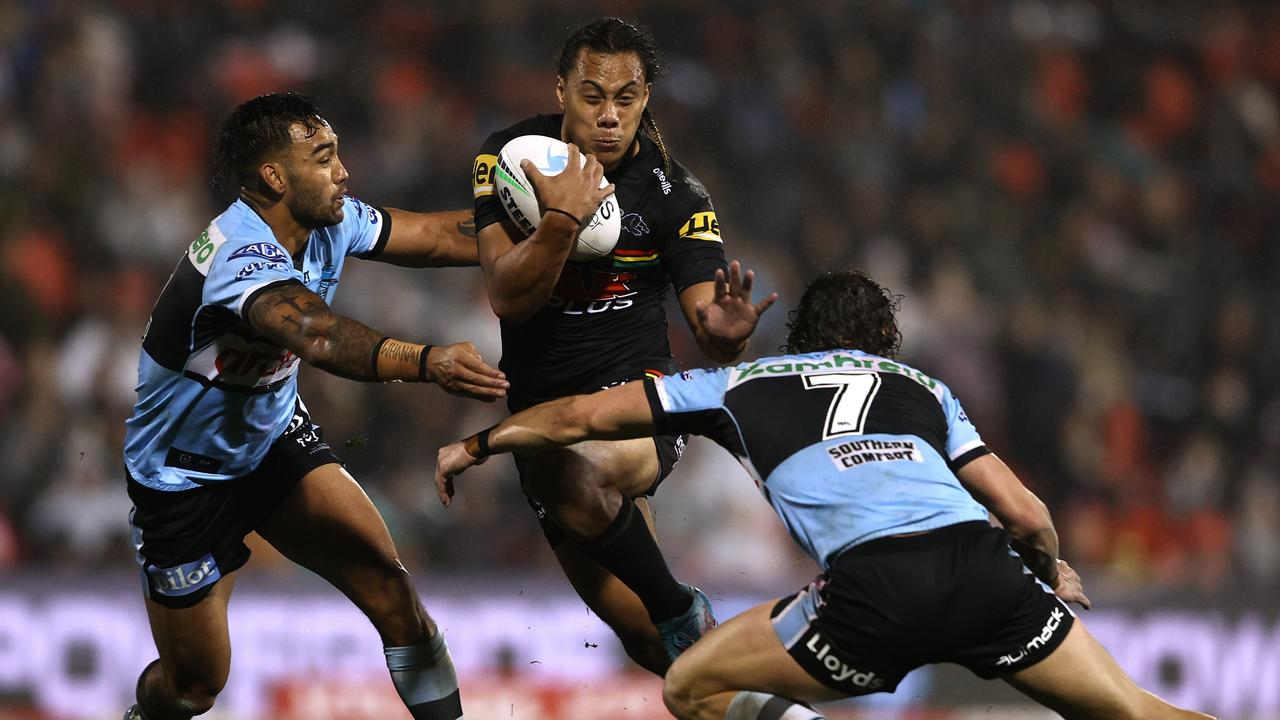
x,y
1080,203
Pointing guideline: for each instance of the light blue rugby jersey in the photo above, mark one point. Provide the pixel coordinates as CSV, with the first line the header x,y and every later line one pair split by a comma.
x,y
212,394
847,447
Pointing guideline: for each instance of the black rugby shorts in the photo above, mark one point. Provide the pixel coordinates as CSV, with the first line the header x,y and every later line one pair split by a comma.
x,y
670,448
958,594
187,540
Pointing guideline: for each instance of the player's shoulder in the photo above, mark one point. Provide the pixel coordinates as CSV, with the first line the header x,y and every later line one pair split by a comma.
x,y
548,125
685,185
235,234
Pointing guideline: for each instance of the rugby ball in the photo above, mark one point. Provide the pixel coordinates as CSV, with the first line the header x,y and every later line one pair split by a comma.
x,y
598,235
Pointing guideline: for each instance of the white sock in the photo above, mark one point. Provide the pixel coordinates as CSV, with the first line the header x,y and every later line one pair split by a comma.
x,y
424,676
762,706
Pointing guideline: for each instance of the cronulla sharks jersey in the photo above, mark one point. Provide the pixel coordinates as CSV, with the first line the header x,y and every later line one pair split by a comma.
x,y
212,394
847,447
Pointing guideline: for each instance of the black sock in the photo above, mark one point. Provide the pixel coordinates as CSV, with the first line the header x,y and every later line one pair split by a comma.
x,y
627,549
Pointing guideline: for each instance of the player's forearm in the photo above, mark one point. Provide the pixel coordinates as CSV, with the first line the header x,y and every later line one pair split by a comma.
x,y
1039,551
524,277
552,424
350,349
439,239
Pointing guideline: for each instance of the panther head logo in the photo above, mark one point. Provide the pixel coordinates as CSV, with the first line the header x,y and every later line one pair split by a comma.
x,y
634,224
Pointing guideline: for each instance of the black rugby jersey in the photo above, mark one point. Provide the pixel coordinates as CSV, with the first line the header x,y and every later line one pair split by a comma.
x,y
605,319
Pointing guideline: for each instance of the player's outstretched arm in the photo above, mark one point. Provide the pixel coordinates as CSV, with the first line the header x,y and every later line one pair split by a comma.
x,y
438,239
1027,521
300,321
721,314
521,276
618,413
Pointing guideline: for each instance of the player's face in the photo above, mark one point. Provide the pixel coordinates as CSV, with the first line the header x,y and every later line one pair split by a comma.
x,y
603,97
317,179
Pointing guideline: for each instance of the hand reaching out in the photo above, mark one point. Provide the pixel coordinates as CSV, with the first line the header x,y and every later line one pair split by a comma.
x,y
731,317
451,460
1070,587
459,370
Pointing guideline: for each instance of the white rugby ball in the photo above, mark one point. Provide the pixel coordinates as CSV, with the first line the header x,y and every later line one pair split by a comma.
x,y
598,235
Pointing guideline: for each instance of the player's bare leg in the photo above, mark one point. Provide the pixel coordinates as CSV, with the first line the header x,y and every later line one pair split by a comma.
x,y
742,663
587,490
1080,679
195,656
329,526
616,605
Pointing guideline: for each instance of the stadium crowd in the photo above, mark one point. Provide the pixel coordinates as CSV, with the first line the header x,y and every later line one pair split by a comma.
x,y
1078,200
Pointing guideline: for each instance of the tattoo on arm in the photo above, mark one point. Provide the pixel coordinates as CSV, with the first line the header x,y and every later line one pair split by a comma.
x,y
299,320
467,227
401,352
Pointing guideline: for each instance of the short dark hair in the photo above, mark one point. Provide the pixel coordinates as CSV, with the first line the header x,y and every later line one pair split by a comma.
x,y
257,129
845,309
610,35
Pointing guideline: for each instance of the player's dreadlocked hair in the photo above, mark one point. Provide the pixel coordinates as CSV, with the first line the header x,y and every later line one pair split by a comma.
x,y
611,35
845,309
257,129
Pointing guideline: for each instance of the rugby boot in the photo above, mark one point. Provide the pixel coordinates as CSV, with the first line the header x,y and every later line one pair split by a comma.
x,y
682,631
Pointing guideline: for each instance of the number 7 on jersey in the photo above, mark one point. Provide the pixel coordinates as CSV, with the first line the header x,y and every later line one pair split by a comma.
x,y
847,414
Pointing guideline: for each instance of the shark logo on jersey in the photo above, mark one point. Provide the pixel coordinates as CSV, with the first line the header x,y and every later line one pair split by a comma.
x,y
270,252
634,224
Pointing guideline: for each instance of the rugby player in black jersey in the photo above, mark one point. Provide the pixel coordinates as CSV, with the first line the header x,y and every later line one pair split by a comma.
x,y
571,327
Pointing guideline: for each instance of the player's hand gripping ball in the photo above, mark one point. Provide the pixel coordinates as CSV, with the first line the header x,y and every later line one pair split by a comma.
x,y
599,233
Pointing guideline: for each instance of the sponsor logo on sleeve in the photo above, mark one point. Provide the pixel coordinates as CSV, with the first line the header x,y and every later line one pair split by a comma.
x,y
201,252
482,175
255,266
264,250
702,226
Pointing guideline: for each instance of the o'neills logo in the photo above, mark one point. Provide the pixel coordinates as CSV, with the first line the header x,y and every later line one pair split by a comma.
x,y
1037,642
841,671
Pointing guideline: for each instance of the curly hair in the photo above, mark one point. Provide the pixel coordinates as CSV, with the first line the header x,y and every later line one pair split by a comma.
x,y
258,129
845,309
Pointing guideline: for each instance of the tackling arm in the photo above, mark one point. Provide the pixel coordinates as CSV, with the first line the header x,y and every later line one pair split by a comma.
x,y
440,239
1024,517
618,413
297,319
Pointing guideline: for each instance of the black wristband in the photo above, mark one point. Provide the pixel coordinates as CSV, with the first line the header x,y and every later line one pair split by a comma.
x,y
422,363
482,441
373,357
567,214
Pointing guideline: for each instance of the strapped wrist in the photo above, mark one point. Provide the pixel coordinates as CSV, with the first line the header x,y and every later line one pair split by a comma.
x,y
422,363
373,357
